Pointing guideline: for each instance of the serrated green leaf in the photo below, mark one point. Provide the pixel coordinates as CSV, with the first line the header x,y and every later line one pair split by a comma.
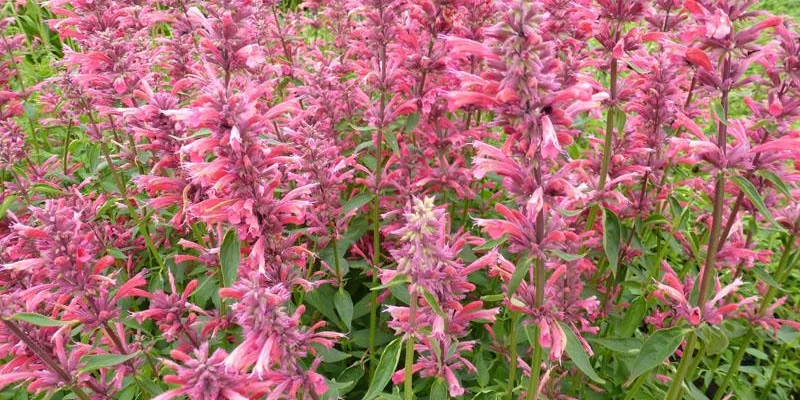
x,y
483,368
714,338
578,355
611,238
320,299
397,280
352,374
40,320
207,288
391,139
531,335
344,307
439,390
655,219
330,355
656,348
356,202
411,122
620,345
633,317
620,120
493,297
519,274
385,369
766,277
229,257
750,191
492,243
47,189
776,181
432,302
96,361
566,256
6,205
719,112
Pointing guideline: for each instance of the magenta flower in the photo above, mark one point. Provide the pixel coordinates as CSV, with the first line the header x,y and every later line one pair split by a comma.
x,y
675,293
204,376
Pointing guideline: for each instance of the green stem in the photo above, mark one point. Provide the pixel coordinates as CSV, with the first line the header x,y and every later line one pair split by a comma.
x,y
408,387
376,215
780,273
676,387
536,370
512,347
536,359
336,265
47,359
134,214
67,141
607,145
735,363
775,368
637,385
783,269
714,243
701,347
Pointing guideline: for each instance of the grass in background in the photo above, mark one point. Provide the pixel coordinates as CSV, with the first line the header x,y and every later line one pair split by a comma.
x,y
782,7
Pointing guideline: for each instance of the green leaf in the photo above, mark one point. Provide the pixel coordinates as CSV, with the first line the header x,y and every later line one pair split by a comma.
x,y
620,345
353,375
6,205
97,361
40,320
29,109
411,122
714,338
578,355
719,112
432,302
47,189
400,292
493,297
207,288
439,390
566,256
518,275
611,238
492,243
569,213
320,299
391,140
330,355
356,202
385,369
397,280
229,256
655,219
344,307
660,345
531,335
773,178
483,368
620,119
633,317
128,392
766,277
748,189
364,145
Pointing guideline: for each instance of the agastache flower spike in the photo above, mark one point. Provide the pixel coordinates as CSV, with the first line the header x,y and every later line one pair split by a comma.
x,y
427,258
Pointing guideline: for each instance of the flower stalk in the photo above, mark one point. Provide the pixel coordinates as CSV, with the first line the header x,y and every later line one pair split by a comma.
x,y
48,360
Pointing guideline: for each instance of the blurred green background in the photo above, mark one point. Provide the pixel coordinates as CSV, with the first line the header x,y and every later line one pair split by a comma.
x,y
787,7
